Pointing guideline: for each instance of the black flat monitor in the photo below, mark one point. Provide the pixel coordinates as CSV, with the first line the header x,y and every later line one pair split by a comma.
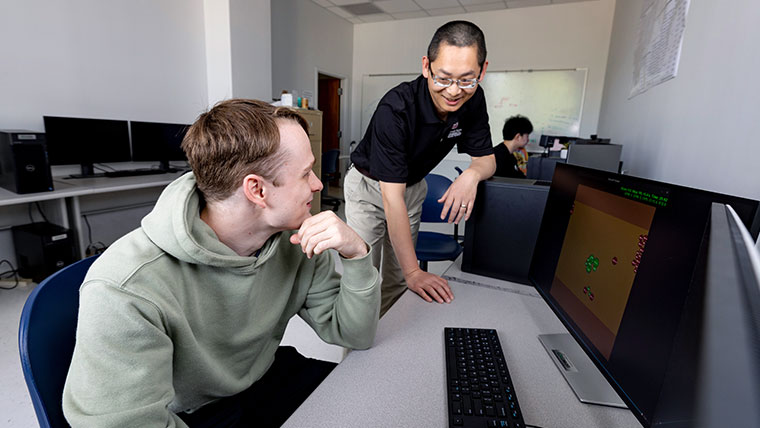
x,y
549,140
506,216
614,259
156,141
83,141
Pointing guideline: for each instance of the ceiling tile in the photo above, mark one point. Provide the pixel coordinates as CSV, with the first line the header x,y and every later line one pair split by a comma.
x,y
526,3
340,12
396,6
377,17
323,3
446,11
433,4
355,20
345,2
466,3
485,7
410,15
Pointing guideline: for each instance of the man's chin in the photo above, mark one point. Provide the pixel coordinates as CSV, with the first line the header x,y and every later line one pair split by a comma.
x,y
301,220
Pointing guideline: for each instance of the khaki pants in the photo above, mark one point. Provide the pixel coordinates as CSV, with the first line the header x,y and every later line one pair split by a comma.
x,y
365,214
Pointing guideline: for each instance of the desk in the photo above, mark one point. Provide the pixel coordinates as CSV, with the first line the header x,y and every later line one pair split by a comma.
x,y
68,193
400,381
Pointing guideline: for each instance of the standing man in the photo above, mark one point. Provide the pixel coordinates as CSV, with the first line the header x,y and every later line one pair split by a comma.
x,y
515,133
415,126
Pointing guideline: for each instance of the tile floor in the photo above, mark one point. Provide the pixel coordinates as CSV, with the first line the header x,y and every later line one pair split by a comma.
x,y
15,405
16,409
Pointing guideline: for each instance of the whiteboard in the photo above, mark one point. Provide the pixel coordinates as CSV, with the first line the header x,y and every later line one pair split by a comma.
x,y
551,99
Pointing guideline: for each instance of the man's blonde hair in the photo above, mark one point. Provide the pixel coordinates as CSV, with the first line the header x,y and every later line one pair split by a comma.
x,y
235,138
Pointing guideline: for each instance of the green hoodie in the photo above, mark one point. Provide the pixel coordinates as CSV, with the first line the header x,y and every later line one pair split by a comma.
x,y
171,319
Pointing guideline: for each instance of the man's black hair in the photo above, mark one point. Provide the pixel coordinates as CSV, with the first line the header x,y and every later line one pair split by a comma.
x,y
516,125
460,34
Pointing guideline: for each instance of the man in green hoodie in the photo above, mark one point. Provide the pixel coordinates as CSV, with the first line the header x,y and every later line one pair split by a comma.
x,y
180,320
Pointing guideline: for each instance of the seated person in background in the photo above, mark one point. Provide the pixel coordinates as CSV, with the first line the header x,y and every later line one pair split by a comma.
x,y
180,320
515,133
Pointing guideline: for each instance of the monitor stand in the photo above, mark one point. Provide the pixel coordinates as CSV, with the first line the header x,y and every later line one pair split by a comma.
x,y
164,166
584,378
88,171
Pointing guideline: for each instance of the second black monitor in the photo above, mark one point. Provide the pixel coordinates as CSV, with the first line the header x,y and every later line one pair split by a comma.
x,y
156,141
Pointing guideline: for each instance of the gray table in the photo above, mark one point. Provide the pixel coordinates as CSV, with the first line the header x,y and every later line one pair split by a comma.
x,y
66,196
400,381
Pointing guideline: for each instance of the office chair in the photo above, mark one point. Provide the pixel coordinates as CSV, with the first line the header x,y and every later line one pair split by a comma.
x,y
329,173
46,339
434,246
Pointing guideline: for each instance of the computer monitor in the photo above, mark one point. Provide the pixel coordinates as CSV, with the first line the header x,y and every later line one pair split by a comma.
x,y
155,141
595,155
83,141
728,371
501,232
614,259
549,140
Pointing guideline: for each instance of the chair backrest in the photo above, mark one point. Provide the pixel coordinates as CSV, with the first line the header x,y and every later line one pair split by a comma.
x,y
46,339
330,161
431,208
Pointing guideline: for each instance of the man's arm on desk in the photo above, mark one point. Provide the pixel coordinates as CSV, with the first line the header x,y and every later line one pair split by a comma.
x,y
427,285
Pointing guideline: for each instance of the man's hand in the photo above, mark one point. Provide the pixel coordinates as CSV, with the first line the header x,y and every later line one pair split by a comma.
x,y
429,286
460,196
324,231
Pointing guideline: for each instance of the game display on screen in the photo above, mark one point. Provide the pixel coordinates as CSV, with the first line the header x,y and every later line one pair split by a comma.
x,y
605,240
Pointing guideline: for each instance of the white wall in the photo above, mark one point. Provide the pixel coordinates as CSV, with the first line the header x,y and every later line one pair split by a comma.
x,y
216,15
307,38
251,48
573,35
238,49
137,59
699,129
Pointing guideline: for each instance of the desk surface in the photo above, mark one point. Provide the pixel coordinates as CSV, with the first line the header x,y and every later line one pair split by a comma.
x,y
66,188
400,381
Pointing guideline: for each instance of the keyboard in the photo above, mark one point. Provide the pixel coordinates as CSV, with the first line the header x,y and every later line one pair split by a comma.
x,y
480,391
133,172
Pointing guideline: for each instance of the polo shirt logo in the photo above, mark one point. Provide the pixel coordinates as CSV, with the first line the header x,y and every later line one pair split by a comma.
x,y
455,133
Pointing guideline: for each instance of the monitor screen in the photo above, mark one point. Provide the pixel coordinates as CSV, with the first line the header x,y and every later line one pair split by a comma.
x,y
614,259
154,141
72,140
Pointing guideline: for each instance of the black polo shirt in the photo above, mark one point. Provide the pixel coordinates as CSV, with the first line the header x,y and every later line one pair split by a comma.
x,y
405,139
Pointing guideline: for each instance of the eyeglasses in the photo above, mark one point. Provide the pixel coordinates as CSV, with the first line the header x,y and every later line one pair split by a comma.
x,y
444,82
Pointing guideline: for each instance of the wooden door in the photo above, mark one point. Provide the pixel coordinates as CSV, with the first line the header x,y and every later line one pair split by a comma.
x,y
329,104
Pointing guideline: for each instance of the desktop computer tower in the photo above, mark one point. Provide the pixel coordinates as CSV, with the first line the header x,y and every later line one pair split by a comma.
x,y
42,249
24,166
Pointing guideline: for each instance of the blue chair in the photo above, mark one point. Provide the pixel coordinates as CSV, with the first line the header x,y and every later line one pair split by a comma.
x,y
46,339
434,246
329,173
